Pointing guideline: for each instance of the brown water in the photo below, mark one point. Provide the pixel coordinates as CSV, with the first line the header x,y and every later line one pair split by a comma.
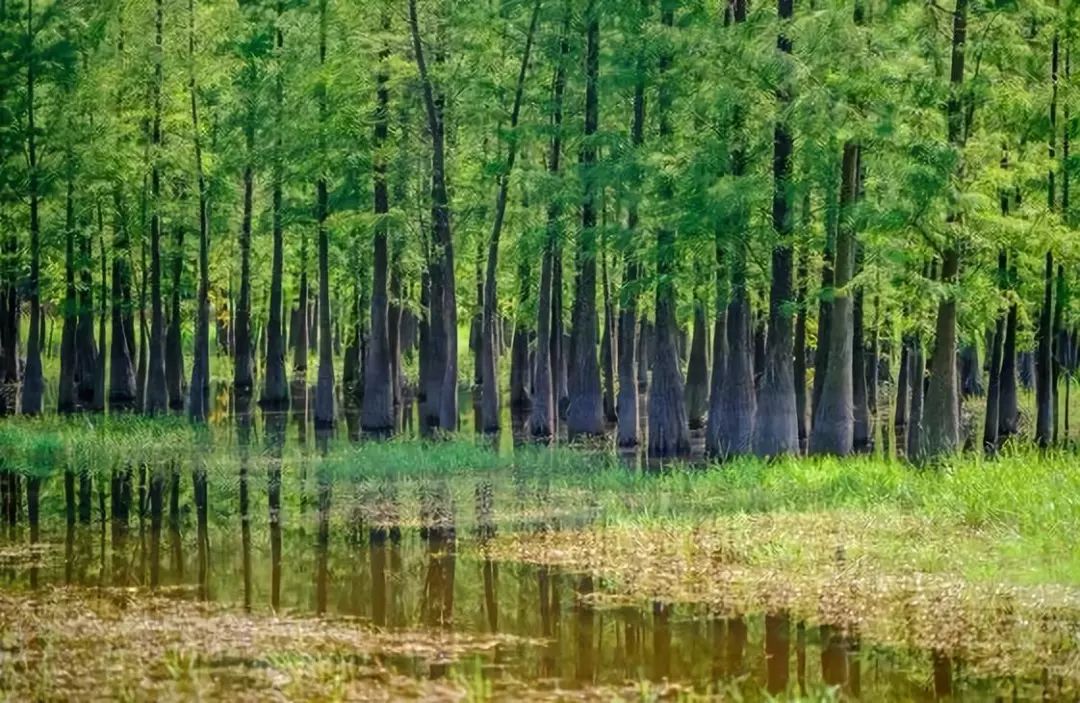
x,y
315,555
411,556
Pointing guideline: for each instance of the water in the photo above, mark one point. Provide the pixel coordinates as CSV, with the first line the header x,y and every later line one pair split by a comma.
x,y
276,538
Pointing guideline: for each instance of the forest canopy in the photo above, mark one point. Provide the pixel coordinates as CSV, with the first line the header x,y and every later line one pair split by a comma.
x,y
744,218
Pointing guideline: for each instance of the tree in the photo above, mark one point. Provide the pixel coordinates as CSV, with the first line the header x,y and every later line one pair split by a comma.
x,y
157,393
669,433
488,365
775,427
275,387
584,414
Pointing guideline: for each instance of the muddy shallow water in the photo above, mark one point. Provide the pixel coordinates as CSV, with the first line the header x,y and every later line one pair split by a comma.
x,y
272,579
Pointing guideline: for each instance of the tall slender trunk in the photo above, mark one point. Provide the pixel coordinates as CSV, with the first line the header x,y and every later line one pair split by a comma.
x,y
834,420
991,426
545,390
584,414
157,392
324,389
103,313
199,401
799,369
276,386
443,294
87,360
863,427
903,393
174,350
1044,386
917,379
301,321
776,429
629,427
488,363
520,367
941,431
66,396
377,412
122,385
697,371
241,348
609,349
33,379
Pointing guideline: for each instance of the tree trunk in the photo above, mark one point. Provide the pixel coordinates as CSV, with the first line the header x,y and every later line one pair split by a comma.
x,y
66,395
87,360
917,379
629,428
941,433
301,327
174,351
991,426
324,388
443,295
776,427
157,392
608,342
799,369
903,393
834,413
584,414
697,372
103,297
520,374
242,351
33,379
863,437
276,386
488,362
1008,405
377,413
668,424
1044,386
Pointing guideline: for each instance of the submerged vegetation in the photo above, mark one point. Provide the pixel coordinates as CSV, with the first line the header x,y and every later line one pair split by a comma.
x,y
964,563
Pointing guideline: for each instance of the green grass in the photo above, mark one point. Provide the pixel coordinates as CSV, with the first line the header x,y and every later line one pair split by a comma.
x,y
1028,501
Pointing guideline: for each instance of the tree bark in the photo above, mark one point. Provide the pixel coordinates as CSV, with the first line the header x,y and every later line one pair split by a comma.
x,y
174,351
377,413
443,295
834,413
324,388
776,427
549,316
276,386
669,433
33,378
863,438
488,362
629,427
66,395
157,392
697,372
917,379
87,360
242,352
199,400
991,425
941,433
584,414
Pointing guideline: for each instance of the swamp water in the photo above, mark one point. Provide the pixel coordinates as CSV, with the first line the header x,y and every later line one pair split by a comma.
x,y
254,570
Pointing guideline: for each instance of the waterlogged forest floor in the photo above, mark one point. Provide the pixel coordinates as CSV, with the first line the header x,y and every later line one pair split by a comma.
x,y
449,571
